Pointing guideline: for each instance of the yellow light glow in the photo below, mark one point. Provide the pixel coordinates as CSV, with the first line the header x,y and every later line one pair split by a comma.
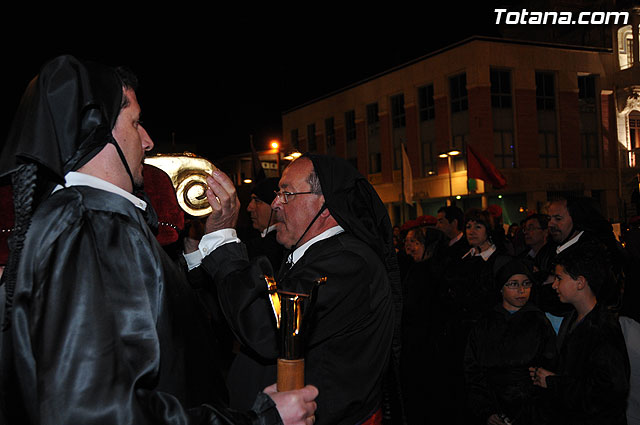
x,y
454,152
247,181
275,144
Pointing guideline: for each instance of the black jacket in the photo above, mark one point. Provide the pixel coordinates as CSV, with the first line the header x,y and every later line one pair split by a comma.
x,y
592,380
501,348
105,328
348,338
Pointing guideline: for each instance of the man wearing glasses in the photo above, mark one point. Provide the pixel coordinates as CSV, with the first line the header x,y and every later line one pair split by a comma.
x,y
333,225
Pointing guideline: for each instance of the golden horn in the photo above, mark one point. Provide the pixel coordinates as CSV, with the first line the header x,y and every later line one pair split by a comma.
x,y
188,174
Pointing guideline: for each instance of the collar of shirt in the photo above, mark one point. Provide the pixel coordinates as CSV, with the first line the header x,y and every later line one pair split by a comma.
x,y
74,178
569,243
456,239
299,252
268,230
484,254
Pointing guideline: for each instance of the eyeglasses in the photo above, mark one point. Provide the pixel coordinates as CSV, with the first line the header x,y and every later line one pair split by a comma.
x,y
283,196
514,284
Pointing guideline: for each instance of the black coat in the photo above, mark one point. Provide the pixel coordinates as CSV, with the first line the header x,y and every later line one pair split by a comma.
x,y
105,328
348,338
592,380
501,348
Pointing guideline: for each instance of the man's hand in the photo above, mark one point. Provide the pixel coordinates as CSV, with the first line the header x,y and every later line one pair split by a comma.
x,y
539,376
495,419
222,197
295,407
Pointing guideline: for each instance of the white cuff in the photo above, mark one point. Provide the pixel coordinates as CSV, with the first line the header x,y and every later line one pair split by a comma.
x,y
209,243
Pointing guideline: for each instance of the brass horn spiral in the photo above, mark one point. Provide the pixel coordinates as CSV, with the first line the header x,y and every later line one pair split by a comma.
x,y
188,174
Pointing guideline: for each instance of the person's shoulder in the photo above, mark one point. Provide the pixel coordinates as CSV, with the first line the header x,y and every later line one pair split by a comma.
x,y
82,198
345,247
73,207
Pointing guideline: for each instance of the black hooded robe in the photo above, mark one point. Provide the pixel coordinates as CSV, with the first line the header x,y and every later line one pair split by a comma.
x,y
99,325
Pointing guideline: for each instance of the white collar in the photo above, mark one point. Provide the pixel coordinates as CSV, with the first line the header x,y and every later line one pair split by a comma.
x,y
267,230
456,239
568,243
74,178
299,252
484,254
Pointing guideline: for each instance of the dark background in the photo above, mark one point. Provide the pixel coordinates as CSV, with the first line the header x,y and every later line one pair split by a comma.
x,y
215,77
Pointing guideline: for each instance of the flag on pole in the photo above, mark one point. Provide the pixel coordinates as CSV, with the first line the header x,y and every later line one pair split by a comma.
x,y
479,167
407,178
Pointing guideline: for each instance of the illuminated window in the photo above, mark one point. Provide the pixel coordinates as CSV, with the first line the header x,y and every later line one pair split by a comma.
x,y
634,130
625,47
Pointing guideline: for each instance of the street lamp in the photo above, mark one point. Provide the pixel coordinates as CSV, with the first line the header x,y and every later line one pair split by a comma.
x,y
275,145
451,153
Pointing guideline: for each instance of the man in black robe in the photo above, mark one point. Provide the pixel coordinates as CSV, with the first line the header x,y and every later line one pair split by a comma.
x,y
335,226
99,325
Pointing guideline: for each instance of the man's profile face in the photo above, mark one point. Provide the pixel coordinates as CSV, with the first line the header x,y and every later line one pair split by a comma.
x,y
260,213
560,222
295,216
534,234
132,137
450,229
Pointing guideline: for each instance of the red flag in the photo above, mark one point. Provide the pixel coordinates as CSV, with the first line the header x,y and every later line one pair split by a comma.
x,y
479,167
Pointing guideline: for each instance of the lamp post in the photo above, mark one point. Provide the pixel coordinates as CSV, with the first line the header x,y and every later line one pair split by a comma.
x,y
451,153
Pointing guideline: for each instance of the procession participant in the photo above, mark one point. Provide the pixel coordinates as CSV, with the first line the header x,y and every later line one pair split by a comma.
x,y
99,324
335,226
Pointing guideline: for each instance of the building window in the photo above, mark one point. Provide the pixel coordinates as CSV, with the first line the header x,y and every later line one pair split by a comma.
x,y
504,148
350,135
500,88
590,151
350,125
398,124
587,93
426,104
548,145
545,91
373,138
634,130
330,136
625,47
294,139
397,111
588,111
458,93
311,138
504,152
547,121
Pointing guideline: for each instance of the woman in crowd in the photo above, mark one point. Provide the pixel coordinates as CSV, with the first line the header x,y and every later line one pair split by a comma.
x,y
505,342
468,292
425,245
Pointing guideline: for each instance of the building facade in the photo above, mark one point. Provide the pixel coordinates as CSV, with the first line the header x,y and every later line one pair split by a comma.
x,y
554,119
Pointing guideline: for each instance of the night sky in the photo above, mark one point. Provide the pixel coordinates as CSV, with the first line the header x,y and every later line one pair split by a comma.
x,y
214,78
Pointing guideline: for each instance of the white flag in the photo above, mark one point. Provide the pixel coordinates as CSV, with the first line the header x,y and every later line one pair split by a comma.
x,y
407,178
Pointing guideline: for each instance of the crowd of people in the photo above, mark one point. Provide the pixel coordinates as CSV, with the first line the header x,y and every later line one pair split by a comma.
x,y
109,317
519,324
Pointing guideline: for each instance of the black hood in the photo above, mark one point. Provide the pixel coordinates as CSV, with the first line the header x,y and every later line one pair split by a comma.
x,y
65,117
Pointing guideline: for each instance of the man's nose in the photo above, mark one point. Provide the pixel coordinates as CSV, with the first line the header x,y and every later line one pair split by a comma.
x,y
147,143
